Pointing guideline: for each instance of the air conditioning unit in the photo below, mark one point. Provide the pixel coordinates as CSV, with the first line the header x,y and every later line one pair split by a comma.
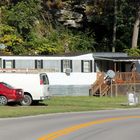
x,y
68,71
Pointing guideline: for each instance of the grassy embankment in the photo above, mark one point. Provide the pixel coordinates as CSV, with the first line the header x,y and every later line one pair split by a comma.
x,y
65,104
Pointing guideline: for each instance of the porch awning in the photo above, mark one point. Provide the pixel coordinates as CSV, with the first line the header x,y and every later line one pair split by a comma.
x,y
118,59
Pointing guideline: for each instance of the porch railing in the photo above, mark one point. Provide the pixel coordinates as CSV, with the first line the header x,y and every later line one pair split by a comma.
x,y
127,77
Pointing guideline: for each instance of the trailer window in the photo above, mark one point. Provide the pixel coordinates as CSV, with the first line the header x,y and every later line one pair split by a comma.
x,y
66,64
86,66
38,64
8,63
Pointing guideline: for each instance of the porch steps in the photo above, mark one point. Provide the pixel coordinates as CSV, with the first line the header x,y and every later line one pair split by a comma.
x,y
100,87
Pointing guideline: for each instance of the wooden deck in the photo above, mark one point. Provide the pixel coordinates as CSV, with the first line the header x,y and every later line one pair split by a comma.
x,y
122,82
127,77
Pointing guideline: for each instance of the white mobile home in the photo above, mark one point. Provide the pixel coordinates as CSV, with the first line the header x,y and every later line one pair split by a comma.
x,y
81,63
68,75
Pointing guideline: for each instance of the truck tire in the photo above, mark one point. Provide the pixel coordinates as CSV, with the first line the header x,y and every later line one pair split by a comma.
x,y
3,100
27,100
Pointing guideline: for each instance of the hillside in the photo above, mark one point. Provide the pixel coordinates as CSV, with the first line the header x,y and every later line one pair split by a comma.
x,y
42,27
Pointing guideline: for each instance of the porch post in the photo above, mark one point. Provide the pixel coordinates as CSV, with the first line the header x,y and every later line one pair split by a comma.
x,y
115,69
116,90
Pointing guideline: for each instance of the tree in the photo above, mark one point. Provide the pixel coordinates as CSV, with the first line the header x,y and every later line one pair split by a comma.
x,y
100,15
114,26
133,52
23,15
10,38
136,29
38,24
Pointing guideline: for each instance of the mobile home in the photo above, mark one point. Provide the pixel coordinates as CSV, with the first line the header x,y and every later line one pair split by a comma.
x,y
73,74
68,75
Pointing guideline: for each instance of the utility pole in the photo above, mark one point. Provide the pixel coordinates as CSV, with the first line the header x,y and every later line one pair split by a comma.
x,y
114,26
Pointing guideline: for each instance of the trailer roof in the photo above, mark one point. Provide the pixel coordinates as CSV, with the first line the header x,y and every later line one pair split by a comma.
x,y
109,54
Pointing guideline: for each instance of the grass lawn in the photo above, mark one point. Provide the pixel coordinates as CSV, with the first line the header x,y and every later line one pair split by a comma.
x,y
65,104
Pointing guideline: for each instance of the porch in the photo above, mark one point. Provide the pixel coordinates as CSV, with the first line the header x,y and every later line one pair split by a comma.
x,y
121,84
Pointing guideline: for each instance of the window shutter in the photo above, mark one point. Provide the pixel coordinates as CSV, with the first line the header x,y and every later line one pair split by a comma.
x,y
95,66
13,64
41,64
4,64
61,65
90,65
82,69
71,65
35,64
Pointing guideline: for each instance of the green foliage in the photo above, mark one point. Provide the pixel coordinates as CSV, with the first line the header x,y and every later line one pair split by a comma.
x,y
5,29
81,43
49,44
23,15
125,20
60,41
133,52
33,27
102,20
10,38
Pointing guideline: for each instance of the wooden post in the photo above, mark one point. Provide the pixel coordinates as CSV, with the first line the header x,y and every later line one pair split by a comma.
x,y
111,87
100,91
115,69
116,90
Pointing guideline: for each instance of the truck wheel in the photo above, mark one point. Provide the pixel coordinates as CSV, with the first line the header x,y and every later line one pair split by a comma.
x,y
27,100
3,100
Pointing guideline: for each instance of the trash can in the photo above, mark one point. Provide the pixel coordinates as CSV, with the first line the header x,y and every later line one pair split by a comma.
x,y
132,98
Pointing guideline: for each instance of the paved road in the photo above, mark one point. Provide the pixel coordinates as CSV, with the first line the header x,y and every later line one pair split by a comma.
x,y
99,125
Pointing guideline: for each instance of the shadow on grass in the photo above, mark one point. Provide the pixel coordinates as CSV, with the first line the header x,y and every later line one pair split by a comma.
x,y
39,104
14,104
